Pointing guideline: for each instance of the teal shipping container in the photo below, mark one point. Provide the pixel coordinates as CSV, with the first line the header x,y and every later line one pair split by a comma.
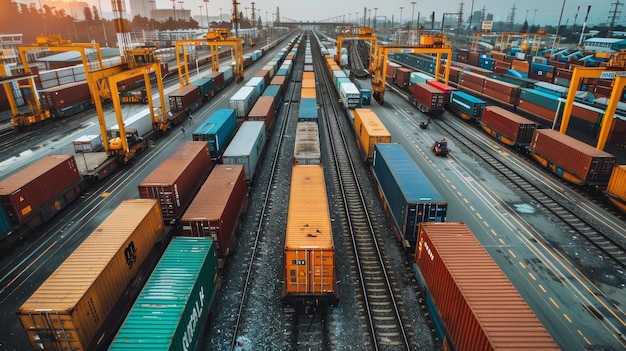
x,y
204,83
172,308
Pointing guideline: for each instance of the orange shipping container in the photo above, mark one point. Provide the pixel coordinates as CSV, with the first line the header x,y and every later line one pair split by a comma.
x,y
369,131
309,248
69,310
308,83
308,75
616,190
476,303
308,93
521,66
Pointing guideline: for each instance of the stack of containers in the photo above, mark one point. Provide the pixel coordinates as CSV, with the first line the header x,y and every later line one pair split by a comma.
x,y
217,130
220,218
247,147
176,180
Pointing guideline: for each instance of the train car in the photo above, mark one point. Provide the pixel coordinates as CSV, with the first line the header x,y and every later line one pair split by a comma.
x,y
616,189
472,303
369,130
67,99
217,131
243,100
176,300
247,147
309,275
36,194
176,180
507,127
307,144
205,85
570,158
217,209
183,101
427,98
466,106
79,306
408,196
264,110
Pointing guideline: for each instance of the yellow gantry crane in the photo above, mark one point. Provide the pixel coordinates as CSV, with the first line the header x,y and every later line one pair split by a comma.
x,y
36,114
214,39
616,70
429,44
362,33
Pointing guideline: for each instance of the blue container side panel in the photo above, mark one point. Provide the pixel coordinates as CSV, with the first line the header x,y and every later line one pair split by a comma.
x,y
5,225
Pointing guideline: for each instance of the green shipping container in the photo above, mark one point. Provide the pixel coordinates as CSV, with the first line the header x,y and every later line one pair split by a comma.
x,y
171,310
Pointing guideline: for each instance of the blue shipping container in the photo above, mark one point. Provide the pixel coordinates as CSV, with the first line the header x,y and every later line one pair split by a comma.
x,y
467,104
4,223
274,91
172,309
308,110
408,194
217,130
205,84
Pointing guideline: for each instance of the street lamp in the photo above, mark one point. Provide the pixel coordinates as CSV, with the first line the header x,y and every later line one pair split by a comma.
x,y
208,21
375,12
174,9
412,17
200,7
534,17
400,24
246,13
182,14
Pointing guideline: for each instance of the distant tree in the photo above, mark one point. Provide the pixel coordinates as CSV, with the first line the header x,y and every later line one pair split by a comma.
x,y
96,14
524,27
88,14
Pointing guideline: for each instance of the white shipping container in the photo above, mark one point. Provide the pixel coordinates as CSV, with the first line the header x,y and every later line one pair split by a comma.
x,y
228,73
243,100
141,122
87,143
258,83
350,95
246,147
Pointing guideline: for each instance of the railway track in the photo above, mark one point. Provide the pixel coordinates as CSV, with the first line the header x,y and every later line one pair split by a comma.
x,y
386,325
605,237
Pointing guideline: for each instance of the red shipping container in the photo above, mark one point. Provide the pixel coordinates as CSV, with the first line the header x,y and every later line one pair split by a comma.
x,y
280,80
216,210
184,97
403,76
66,95
522,66
564,73
391,69
24,193
427,98
472,77
447,90
475,301
218,79
263,110
617,135
507,126
177,179
265,74
462,55
536,110
472,58
473,88
589,115
572,155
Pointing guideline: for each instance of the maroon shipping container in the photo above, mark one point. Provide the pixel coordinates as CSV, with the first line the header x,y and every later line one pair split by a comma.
x,y
263,110
391,70
507,126
218,80
265,73
216,210
65,95
617,134
36,189
572,155
427,98
564,73
505,92
177,179
403,76
476,303
586,114
184,97
462,55
280,80
473,78
472,58
536,110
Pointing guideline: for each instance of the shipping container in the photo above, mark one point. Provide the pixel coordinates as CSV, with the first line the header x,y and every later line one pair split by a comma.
x,y
403,77
276,93
570,158
473,304
66,99
307,145
507,127
258,83
175,301
427,98
616,189
216,210
308,110
390,70
446,89
466,106
87,143
205,84
217,131
247,147
176,180
350,95
369,130
218,80
309,260
408,196
243,100
419,77
79,306
263,110
39,191
185,98
281,81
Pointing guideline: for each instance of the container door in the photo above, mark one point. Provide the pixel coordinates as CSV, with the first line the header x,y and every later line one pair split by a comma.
x,y
321,271
413,216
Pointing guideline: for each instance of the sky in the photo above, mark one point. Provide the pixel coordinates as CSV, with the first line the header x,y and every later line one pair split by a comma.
x,y
548,11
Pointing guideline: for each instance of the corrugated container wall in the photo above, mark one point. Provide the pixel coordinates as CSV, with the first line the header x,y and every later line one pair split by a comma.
x,y
506,126
246,148
616,190
479,307
68,311
369,130
175,301
177,179
218,218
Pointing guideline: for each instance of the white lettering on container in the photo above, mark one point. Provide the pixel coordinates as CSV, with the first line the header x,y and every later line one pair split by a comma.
x,y
194,320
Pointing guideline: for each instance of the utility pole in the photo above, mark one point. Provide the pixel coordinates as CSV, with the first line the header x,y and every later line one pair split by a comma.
x,y
614,14
208,21
582,30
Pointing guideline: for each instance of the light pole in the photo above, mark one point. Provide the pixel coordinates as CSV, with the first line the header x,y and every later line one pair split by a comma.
x,y
182,14
220,15
375,13
349,18
208,21
412,17
356,17
200,8
400,23
534,17
73,23
174,9
246,8
369,19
